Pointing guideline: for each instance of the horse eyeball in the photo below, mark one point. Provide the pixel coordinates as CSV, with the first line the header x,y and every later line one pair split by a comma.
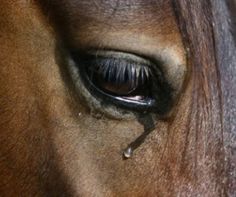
x,y
125,81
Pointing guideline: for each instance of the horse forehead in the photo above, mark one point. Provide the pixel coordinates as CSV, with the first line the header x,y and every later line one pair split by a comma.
x,y
85,23
112,5
135,11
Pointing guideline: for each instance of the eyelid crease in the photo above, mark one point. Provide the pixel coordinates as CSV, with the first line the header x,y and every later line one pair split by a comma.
x,y
120,55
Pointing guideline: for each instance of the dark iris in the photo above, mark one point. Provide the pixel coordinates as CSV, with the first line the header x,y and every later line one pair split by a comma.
x,y
137,86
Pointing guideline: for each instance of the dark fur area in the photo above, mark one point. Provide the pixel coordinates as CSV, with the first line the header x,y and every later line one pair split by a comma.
x,y
208,29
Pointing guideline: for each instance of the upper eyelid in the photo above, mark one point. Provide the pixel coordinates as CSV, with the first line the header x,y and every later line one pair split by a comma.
x,y
156,65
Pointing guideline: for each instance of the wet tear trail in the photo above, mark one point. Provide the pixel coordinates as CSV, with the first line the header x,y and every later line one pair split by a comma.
x,y
148,125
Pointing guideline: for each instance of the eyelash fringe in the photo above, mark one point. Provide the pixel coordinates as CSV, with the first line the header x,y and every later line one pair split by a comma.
x,y
121,71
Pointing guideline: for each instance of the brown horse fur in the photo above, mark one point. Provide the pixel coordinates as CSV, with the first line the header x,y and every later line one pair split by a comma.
x,y
52,144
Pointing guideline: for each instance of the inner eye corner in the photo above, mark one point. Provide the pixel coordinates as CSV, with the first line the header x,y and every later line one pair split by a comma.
x,y
124,80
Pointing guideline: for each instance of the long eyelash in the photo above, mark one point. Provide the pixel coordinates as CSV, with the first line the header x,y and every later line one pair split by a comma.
x,y
122,71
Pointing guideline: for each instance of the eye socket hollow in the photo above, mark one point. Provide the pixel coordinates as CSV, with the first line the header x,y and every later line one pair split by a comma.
x,y
128,82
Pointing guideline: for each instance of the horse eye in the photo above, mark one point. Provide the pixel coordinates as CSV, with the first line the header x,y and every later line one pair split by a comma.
x,y
124,80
